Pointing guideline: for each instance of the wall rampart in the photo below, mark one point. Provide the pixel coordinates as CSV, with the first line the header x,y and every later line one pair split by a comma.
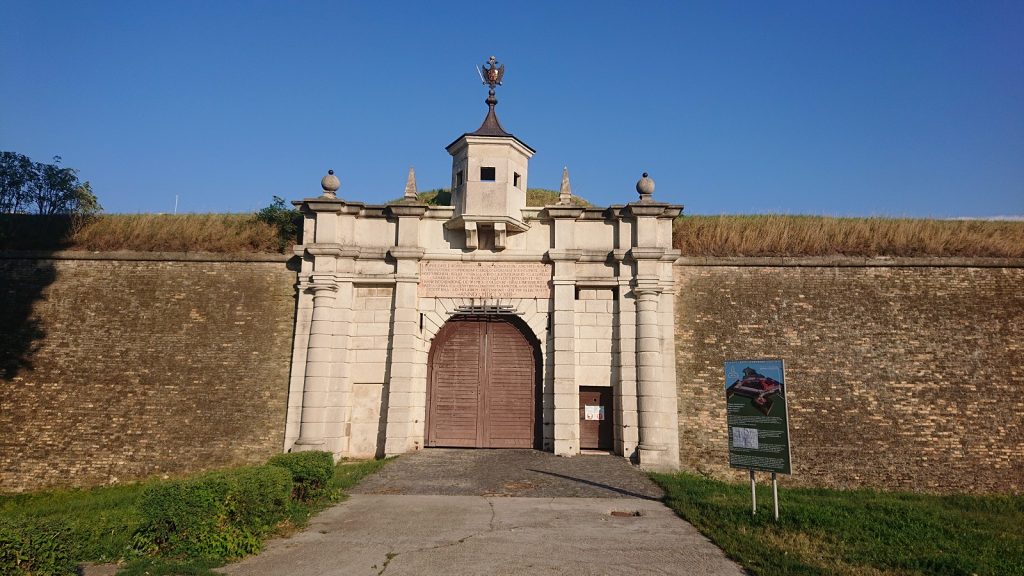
x,y
901,373
120,366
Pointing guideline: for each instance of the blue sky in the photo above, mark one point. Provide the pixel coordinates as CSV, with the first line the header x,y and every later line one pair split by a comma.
x,y
839,108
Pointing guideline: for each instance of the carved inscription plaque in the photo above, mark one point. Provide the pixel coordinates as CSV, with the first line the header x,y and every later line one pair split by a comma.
x,y
445,279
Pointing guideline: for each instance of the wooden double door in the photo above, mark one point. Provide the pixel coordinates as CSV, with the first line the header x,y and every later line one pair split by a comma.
x,y
482,385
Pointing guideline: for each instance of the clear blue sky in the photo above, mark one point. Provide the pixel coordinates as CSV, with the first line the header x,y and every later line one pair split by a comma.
x,y
838,108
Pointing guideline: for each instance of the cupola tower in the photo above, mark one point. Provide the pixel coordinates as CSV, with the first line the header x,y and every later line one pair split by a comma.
x,y
489,171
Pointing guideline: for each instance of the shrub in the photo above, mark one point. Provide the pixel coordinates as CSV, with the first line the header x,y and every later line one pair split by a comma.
x,y
33,546
288,222
311,471
216,515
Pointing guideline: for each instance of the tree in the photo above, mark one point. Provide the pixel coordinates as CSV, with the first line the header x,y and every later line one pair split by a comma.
x,y
16,173
48,188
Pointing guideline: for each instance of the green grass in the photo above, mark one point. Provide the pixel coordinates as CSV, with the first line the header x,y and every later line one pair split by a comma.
x,y
347,474
854,532
100,520
100,523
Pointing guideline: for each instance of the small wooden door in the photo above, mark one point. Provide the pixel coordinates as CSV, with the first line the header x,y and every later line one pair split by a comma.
x,y
481,389
596,418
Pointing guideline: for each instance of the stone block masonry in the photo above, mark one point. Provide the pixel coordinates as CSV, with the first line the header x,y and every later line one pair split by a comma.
x,y
902,375
120,367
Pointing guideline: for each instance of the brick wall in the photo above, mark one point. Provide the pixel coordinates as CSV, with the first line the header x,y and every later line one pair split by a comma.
x,y
119,369
902,376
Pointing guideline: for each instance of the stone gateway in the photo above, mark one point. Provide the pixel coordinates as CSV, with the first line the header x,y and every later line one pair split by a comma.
x,y
495,324
486,323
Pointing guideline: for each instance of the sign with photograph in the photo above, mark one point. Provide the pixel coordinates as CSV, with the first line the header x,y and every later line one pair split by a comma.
x,y
757,415
593,412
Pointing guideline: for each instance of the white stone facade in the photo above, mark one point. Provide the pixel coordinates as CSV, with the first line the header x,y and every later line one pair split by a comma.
x,y
593,285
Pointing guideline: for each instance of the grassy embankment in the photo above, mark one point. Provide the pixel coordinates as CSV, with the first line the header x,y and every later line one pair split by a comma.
x,y
777,235
767,235
51,532
831,532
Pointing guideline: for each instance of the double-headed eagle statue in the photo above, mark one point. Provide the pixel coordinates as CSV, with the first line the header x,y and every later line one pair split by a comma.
x,y
491,72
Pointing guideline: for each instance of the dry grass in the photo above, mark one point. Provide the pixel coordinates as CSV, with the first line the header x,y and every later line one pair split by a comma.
x,y
769,235
222,233
776,235
182,233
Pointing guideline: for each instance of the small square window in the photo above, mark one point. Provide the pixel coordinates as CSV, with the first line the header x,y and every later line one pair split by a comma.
x,y
515,179
487,174
459,178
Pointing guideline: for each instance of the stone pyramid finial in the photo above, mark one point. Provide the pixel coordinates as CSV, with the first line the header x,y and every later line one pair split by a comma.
x,y
410,185
565,192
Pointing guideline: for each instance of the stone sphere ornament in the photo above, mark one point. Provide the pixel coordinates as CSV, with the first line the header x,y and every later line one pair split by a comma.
x,y
645,187
331,184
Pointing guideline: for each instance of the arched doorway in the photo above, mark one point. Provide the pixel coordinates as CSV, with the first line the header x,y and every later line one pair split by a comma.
x,y
482,389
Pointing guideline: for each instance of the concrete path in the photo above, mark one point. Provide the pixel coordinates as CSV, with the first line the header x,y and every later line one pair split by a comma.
x,y
392,533
530,473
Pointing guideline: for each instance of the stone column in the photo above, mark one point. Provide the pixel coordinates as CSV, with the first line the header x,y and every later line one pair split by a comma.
x,y
318,367
653,444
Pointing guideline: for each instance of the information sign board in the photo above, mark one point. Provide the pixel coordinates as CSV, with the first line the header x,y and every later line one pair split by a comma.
x,y
757,415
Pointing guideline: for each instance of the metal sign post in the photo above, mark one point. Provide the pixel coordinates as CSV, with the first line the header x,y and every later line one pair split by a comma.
x,y
753,494
775,495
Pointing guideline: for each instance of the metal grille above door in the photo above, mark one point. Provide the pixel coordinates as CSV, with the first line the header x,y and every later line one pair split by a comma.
x,y
482,385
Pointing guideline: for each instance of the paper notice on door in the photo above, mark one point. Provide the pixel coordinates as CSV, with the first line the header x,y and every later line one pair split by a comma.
x,y
593,412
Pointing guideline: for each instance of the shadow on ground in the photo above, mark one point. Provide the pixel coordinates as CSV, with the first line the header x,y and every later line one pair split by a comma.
x,y
522,473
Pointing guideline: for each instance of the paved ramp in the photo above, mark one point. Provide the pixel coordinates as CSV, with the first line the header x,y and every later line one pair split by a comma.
x,y
496,512
526,473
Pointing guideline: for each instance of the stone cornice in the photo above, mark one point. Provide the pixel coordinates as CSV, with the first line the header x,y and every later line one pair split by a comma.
x,y
406,252
406,210
556,212
511,224
332,249
638,253
652,209
564,255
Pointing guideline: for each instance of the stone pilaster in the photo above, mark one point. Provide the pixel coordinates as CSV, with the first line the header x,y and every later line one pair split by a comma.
x,y
339,414
406,371
566,391
318,366
406,380
628,431
669,396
